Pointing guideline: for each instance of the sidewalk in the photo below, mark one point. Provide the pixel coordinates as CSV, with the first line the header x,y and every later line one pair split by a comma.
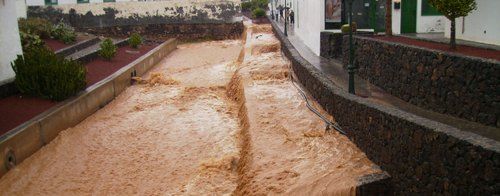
x,y
339,76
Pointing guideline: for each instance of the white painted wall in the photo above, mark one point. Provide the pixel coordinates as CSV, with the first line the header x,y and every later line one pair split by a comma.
x,y
396,20
10,43
35,2
482,25
21,8
425,24
309,22
428,24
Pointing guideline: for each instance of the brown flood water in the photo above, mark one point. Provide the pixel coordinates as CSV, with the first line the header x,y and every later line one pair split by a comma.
x,y
216,118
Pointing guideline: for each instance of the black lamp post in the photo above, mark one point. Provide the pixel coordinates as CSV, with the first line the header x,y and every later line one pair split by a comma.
x,y
350,67
286,20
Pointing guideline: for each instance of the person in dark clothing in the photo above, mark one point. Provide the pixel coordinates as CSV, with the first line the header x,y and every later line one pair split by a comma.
x,y
292,17
281,12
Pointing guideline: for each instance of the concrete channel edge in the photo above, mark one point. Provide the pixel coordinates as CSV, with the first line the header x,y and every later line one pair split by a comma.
x,y
24,140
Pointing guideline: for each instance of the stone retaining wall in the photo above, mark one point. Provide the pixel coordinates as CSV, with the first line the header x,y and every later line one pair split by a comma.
x,y
462,86
182,31
422,156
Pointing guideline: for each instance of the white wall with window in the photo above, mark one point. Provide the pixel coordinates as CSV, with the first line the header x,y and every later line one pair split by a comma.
x,y
482,25
10,43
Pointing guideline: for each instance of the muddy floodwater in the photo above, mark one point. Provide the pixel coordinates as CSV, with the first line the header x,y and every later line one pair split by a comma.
x,y
217,118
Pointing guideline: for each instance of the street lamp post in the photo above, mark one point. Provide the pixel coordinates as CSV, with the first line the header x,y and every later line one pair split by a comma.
x,y
350,67
286,20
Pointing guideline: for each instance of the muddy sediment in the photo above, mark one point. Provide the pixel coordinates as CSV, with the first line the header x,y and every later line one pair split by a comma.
x,y
217,118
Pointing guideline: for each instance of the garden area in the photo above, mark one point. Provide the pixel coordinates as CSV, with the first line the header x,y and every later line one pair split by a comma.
x,y
460,49
44,78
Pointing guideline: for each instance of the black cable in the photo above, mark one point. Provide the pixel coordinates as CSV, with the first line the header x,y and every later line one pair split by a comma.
x,y
329,124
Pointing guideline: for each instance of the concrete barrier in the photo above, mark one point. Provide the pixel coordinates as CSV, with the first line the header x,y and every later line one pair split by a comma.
x,y
24,140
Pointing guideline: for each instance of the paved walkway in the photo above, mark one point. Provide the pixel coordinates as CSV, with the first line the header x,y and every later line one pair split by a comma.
x,y
439,37
334,70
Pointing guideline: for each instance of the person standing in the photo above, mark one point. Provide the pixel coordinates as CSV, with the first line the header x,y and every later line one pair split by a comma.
x,y
292,17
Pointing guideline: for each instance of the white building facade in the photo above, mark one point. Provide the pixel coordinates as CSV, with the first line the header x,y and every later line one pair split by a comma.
x,y
481,25
10,43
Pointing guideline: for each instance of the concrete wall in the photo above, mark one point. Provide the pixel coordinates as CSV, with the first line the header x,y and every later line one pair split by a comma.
x,y
482,25
425,24
10,43
141,13
310,21
21,9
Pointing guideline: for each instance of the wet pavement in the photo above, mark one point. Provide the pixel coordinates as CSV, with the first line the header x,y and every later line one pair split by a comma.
x,y
218,118
337,74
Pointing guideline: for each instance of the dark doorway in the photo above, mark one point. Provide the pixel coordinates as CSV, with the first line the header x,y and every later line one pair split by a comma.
x,y
408,16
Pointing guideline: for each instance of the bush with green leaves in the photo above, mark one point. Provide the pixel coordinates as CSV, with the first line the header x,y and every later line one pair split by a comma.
x,y
42,73
29,41
254,4
135,40
64,33
35,26
258,13
246,6
108,49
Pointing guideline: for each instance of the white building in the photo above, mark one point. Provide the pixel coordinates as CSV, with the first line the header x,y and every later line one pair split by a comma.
x,y
416,16
10,43
482,25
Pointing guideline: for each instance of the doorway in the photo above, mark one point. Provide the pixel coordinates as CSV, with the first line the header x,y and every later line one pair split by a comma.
x,y
408,16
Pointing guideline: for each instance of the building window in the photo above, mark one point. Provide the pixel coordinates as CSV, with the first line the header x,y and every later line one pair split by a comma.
x,y
50,2
106,1
428,10
82,1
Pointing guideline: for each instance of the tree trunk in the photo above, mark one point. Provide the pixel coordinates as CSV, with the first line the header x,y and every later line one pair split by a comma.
x,y
388,17
453,43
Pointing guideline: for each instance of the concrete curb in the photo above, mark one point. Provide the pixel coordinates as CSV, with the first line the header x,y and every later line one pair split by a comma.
x,y
79,46
32,135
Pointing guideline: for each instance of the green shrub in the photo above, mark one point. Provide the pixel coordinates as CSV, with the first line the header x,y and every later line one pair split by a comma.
x,y
40,72
30,41
135,40
260,4
258,13
64,33
108,49
246,6
35,26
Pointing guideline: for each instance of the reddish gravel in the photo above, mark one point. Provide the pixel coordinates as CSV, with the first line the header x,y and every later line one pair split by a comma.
x,y
99,68
55,45
18,109
464,50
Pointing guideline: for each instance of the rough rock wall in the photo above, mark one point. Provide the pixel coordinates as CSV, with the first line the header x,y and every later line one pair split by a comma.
x,y
422,156
461,86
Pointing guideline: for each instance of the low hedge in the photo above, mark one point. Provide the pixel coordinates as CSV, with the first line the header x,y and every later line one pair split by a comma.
x,y
42,73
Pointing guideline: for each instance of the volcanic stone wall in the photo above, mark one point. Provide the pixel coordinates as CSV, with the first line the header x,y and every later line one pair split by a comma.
x,y
331,45
422,156
462,86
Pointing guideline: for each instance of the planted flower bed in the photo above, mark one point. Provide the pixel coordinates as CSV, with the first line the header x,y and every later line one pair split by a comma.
x,y
17,109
